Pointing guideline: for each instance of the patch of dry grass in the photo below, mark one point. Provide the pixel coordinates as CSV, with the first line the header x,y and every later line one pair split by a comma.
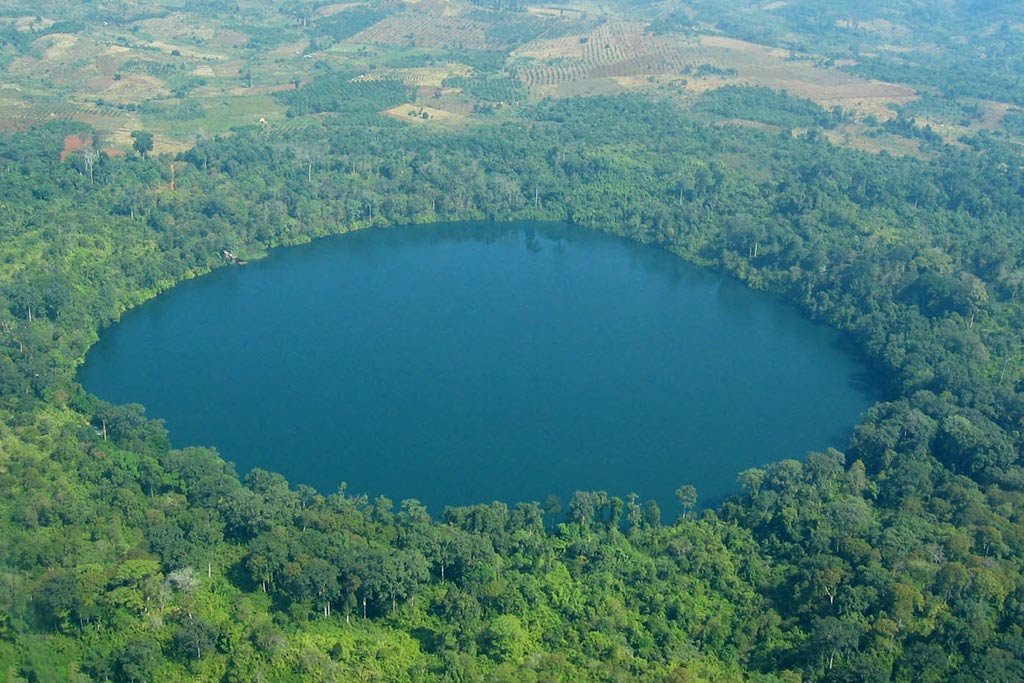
x,y
29,23
134,88
413,113
336,8
185,51
432,76
179,26
881,27
857,138
287,51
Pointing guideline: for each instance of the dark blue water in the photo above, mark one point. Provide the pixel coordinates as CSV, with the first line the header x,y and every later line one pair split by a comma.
x,y
465,363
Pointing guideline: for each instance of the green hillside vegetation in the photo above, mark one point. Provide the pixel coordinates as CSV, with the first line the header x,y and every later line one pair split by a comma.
x,y
941,109
340,94
1014,121
766,106
124,559
489,88
899,559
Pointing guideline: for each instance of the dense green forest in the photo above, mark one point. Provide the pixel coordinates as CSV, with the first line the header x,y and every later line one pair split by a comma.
x,y
123,559
899,559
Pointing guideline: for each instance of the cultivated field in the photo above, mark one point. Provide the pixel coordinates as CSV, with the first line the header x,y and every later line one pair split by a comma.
x,y
626,53
455,58
425,29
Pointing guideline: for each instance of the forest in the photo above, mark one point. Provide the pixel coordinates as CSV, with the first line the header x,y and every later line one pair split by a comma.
x,y
897,559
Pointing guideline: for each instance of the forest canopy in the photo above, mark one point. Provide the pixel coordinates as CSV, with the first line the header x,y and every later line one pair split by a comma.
x,y
897,559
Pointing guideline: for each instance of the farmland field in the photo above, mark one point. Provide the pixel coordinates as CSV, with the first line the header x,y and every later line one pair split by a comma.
x,y
427,30
451,56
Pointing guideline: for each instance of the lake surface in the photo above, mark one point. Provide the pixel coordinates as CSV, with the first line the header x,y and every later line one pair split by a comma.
x,y
467,363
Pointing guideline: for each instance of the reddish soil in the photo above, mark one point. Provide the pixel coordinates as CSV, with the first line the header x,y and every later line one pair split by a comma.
x,y
72,144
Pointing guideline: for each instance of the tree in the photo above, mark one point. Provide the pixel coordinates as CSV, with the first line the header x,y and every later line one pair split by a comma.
x,y
974,295
137,661
634,513
143,142
687,496
390,576
973,444
90,157
826,577
750,480
309,156
652,514
506,639
833,637
194,637
552,506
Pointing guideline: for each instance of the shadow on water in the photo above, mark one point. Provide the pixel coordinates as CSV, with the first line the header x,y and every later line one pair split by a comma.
x,y
863,379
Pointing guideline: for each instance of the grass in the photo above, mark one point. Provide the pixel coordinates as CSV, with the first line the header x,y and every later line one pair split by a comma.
x,y
414,113
220,114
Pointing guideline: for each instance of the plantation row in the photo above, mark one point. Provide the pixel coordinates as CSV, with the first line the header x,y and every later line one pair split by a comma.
x,y
520,30
490,89
425,30
340,93
670,60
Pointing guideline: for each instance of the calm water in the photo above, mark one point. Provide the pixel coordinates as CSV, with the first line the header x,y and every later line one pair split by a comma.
x,y
466,363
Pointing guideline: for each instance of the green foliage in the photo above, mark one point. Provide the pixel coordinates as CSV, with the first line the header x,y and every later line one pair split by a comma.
x,y
1013,121
481,61
764,105
967,76
343,93
142,142
909,128
496,88
940,109
346,24
968,49
516,29
184,110
122,558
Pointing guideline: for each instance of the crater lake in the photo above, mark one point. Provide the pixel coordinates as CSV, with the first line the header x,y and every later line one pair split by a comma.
x,y
466,363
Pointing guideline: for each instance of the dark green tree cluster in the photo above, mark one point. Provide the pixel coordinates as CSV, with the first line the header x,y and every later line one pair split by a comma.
x,y
346,24
945,110
344,93
766,106
495,88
